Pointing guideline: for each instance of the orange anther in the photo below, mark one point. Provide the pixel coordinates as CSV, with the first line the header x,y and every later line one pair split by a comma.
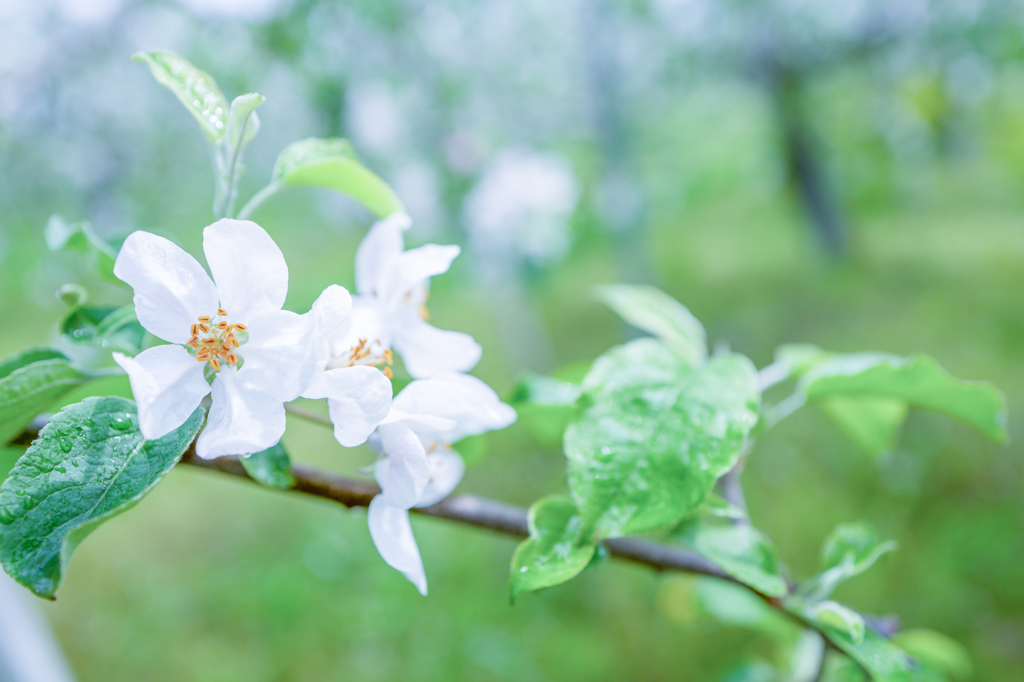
x,y
204,318
388,373
387,356
222,325
225,346
240,327
231,358
194,329
209,342
204,328
222,312
194,342
233,341
215,363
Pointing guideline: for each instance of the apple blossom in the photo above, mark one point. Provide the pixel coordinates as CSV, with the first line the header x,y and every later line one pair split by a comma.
x,y
418,467
390,308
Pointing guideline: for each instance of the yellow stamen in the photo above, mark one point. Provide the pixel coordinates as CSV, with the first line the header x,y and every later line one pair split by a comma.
x,y
204,318
209,342
222,325
194,330
233,341
388,373
221,312
215,363
231,358
388,357
204,328
241,327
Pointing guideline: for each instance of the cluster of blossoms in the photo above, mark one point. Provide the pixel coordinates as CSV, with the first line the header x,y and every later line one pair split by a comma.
x,y
229,338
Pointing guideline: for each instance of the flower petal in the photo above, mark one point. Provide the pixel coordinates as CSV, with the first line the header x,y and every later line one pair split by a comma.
x,y
358,398
366,322
171,287
471,404
381,245
410,268
332,311
404,472
428,351
243,419
249,268
280,356
392,534
168,386
446,470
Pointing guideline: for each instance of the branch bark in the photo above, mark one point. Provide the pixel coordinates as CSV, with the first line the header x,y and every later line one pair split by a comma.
x,y
471,510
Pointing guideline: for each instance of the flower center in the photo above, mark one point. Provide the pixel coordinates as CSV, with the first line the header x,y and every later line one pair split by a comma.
x,y
370,353
218,342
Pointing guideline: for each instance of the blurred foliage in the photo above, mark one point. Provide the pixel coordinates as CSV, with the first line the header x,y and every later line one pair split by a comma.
x,y
677,147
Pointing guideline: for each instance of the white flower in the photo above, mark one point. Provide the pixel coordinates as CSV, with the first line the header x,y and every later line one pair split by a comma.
x,y
390,308
230,338
419,468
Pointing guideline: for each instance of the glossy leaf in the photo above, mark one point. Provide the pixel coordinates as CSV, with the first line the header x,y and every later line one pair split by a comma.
x,y
33,381
243,122
9,455
194,88
652,310
840,617
937,652
873,423
655,434
556,551
89,464
270,467
884,661
719,507
918,381
99,255
545,406
740,550
732,604
332,163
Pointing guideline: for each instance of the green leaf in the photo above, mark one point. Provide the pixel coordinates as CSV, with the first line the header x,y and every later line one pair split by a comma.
x,y
545,406
34,380
872,423
718,507
194,88
89,464
243,123
883,660
800,358
9,456
652,310
556,551
848,551
655,434
937,652
100,256
918,381
835,615
740,550
107,327
333,164
732,604
270,467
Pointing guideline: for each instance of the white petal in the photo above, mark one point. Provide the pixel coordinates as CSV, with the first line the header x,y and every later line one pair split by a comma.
x,y
168,386
470,403
446,470
428,351
249,269
403,473
381,245
332,311
243,419
392,534
366,322
358,398
418,421
171,288
410,268
280,356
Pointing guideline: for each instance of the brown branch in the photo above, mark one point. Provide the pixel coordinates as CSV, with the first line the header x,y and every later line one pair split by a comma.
x,y
473,511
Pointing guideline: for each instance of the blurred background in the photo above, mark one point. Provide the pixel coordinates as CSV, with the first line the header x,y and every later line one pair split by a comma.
x,y
847,174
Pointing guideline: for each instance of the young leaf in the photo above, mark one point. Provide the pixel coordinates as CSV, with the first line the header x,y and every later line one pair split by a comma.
x,y
884,661
114,328
556,550
937,652
918,381
872,423
333,164
31,381
655,435
61,235
545,406
850,550
840,617
243,123
270,467
89,463
718,507
194,88
654,311
742,551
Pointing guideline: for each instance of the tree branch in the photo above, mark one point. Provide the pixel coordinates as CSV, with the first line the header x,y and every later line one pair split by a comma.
x,y
473,511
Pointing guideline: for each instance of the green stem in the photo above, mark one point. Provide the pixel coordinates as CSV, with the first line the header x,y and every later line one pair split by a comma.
x,y
258,199
308,416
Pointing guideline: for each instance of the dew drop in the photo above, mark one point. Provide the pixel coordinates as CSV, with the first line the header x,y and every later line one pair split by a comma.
x,y
66,444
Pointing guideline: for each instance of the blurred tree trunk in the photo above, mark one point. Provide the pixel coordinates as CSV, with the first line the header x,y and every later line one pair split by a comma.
x,y
804,167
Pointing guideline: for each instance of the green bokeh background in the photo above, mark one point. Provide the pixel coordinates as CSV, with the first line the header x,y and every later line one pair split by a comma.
x,y
210,579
